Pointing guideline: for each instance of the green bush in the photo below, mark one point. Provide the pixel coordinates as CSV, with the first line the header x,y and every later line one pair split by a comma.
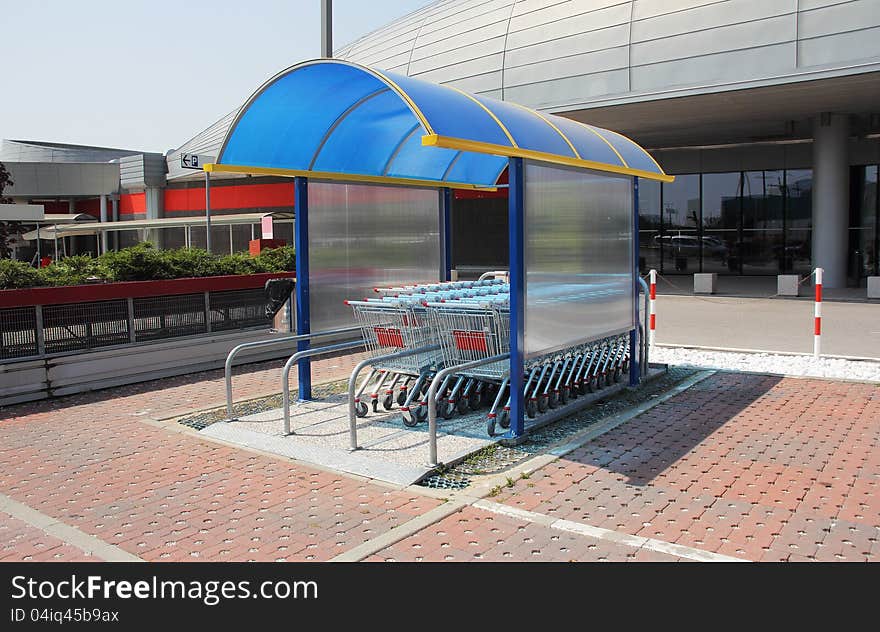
x,y
281,259
144,262
74,270
18,274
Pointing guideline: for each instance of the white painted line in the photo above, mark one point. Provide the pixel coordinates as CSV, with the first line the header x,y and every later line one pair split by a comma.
x,y
64,532
607,535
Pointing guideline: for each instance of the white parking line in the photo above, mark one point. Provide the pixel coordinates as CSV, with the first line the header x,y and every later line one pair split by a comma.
x,y
607,535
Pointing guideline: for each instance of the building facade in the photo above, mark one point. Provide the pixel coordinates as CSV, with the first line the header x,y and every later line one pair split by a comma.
x,y
767,111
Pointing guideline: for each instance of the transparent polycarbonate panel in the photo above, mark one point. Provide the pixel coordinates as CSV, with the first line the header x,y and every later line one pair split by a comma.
x,y
363,236
578,256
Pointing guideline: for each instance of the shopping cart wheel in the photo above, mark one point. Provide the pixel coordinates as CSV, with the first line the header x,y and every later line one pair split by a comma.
x,y
617,375
375,404
543,403
504,419
490,428
563,395
448,410
463,405
475,400
409,419
583,388
388,401
594,384
532,408
401,398
360,409
553,400
421,413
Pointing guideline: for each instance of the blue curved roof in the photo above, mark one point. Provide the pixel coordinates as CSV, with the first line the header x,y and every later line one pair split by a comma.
x,y
331,117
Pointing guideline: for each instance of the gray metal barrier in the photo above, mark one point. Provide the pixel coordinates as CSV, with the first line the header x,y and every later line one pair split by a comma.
x,y
268,343
432,398
352,385
643,337
296,357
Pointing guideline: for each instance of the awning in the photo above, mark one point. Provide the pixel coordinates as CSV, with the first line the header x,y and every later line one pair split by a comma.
x,y
333,119
69,230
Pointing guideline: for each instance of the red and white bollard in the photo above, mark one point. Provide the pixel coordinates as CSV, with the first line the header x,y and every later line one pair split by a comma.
x,y
817,315
652,309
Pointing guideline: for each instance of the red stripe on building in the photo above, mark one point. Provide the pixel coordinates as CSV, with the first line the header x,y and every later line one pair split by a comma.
x,y
245,196
132,204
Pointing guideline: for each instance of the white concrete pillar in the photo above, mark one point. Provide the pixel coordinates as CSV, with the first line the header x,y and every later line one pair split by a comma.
x,y
155,198
103,214
831,196
114,205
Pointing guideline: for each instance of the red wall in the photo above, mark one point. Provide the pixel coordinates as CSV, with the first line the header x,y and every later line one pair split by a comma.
x,y
132,203
243,196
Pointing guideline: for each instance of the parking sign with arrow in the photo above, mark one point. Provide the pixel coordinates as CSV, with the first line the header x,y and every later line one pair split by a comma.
x,y
194,161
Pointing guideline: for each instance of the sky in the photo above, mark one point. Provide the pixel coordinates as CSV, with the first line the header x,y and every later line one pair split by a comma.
x,y
150,74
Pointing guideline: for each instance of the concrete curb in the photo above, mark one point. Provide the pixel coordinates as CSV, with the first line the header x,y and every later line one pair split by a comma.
x,y
64,532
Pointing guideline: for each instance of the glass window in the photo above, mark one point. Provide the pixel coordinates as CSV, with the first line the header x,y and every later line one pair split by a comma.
x,y
863,236
762,247
649,225
721,222
798,222
680,245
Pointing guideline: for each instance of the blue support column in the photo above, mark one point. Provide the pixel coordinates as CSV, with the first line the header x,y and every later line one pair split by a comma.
x,y
445,233
303,319
634,373
516,222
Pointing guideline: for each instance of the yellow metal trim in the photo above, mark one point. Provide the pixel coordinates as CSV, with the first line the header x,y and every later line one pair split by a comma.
x,y
403,95
344,177
463,144
607,142
550,123
489,112
637,145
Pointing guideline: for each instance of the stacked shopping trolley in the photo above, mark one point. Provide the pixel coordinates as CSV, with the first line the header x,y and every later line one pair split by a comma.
x,y
446,325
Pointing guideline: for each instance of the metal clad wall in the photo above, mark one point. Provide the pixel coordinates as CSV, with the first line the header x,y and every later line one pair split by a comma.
x,y
566,53
363,236
578,256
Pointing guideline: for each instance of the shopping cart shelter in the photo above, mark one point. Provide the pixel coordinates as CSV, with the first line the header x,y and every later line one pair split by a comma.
x,y
375,157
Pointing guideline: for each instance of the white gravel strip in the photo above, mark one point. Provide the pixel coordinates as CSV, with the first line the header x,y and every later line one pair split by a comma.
x,y
763,362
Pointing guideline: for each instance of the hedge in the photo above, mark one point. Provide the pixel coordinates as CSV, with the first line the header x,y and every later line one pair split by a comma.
x,y
143,262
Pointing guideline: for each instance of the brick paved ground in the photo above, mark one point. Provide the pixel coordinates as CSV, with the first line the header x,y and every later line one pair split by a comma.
x,y
748,466
475,535
22,542
89,461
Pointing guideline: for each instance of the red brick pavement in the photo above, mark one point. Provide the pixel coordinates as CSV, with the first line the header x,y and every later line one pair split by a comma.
x,y
21,542
90,462
475,535
750,466
743,465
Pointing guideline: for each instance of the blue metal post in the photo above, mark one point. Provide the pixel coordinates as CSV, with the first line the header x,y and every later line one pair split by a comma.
x,y
303,319
516,223
633,335
445,233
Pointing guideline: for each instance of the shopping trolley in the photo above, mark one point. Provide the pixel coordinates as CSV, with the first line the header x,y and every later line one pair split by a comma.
x,y
388,327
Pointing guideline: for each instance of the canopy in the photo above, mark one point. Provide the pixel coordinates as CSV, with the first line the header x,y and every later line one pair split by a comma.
x,y
234,219
330,118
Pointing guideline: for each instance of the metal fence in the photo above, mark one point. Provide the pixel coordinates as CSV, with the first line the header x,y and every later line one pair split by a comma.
x,y
39,330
